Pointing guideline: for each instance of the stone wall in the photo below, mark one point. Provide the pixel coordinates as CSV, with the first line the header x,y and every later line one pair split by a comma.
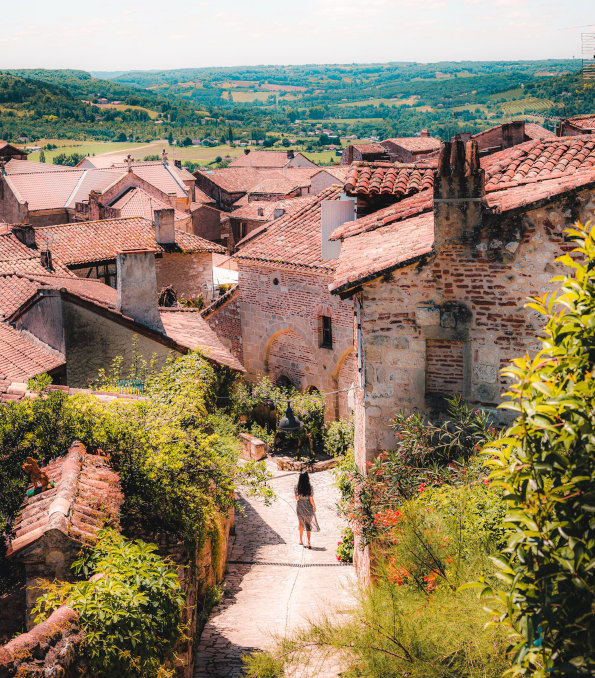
x,y
190,274
280,312
11,210
451,324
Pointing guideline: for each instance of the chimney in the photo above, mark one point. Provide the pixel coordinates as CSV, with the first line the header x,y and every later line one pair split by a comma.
x,y
25,233
334,213
424,133
46,259
459,189
137,287
278,213
290,155
260,211
165,233
246,151
178,164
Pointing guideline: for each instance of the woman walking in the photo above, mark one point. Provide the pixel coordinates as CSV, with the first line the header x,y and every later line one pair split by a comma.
x,y
306,508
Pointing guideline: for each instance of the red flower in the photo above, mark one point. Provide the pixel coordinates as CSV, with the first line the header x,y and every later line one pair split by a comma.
x,y
422,487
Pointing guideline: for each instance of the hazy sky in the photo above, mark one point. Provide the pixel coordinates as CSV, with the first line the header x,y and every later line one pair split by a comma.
x,y
144,34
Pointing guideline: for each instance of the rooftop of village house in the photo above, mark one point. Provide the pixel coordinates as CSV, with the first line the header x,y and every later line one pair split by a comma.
x,y
92,241
265,159
45,186
85,497
293,240
254,180
527,174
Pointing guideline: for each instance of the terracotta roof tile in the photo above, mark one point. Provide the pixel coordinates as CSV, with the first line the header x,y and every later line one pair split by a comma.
x,y
383,249
370,148
252,180
385,178
415,144
586,122
538,160
263,210
90,241
404,209
22,356
86,495
190,329
293,239
535,131
138,203
262,159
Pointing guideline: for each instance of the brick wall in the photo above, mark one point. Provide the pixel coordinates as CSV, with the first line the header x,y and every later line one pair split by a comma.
x,y
280,326
206,222
227,325
473,293
444,367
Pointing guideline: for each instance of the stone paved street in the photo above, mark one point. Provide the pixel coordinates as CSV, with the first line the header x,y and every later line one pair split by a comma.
x,y
262,599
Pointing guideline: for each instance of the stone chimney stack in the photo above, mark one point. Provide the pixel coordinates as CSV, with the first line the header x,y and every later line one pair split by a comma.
x,y
459,190
137,287
290,155
165,233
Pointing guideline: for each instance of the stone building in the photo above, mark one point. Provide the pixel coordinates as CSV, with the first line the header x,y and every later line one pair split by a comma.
x,y
292,329
439,280
580,124
52,320
41,194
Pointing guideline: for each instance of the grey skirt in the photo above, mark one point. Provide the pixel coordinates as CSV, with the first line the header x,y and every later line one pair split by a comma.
x,y
306,515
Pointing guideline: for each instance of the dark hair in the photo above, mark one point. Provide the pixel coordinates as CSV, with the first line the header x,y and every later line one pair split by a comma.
x,y
303,487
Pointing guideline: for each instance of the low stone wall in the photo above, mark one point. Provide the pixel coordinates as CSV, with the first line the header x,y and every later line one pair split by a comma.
x,y
48,650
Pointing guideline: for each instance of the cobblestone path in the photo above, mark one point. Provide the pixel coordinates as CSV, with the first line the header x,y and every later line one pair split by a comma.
x,y
273,584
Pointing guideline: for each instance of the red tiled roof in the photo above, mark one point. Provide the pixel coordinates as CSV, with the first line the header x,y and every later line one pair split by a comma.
x,y
386,178
293,239
250,210
252,180
84,242
538,160
16,166
369,148
415,144
188,328
138,203
408,207
86,496
44,188
383,249
23,357
535,131
262,159
586,122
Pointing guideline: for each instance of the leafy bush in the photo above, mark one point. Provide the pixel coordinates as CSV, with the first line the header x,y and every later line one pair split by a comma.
x,y
545,464
338,437
345,546
131,615
426,455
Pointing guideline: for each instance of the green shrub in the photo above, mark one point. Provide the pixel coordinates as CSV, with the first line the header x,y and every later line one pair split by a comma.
x,y
545,465
345,546
338,437
131,615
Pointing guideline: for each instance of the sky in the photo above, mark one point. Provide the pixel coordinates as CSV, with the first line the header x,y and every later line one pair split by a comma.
x,y
108,35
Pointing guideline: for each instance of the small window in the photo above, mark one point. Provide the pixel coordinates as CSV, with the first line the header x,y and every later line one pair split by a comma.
x,y
325,329
242,229
275,281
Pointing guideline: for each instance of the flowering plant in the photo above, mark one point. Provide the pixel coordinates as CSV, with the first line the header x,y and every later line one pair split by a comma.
x,y
345,546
